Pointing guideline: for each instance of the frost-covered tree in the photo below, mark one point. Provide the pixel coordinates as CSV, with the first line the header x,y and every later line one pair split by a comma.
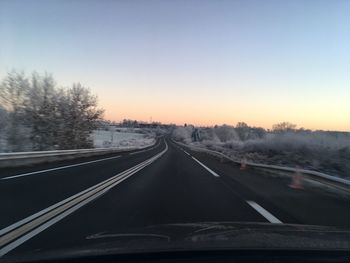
x,y
80,114
13,92
225,133
183,133
41,116
3,125
257,133
3,119
42,113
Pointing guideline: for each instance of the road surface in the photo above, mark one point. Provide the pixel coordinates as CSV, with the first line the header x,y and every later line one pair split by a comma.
x,y
61,204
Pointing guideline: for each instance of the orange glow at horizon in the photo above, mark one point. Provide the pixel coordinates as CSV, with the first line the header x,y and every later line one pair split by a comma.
x,y
208,114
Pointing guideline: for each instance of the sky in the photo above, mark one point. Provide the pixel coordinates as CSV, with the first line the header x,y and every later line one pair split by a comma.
x,y
185,61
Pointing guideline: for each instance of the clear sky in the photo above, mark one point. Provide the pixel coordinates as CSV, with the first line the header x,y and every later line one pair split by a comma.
x,y
200,62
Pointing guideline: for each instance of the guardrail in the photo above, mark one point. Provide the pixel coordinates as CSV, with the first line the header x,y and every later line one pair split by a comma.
x,y
314,175
26,158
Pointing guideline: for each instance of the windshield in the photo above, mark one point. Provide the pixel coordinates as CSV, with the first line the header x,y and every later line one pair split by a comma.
x,y
131,126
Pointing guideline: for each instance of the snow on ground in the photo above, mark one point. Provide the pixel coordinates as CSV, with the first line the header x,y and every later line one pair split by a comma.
x,y
322,151
122,139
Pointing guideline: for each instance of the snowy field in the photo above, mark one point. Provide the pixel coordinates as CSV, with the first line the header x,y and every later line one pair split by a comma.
x,y
123,139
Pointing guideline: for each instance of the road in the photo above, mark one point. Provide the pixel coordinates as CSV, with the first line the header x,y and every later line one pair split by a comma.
x,y
60,204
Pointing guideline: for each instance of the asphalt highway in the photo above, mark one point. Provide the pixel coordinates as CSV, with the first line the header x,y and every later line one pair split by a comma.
x,y
61,204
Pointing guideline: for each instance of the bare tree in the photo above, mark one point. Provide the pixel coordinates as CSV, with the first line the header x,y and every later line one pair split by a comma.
x,y
284,127
242,130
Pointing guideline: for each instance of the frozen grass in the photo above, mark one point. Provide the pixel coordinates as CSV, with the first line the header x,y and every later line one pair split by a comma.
x,y
327,152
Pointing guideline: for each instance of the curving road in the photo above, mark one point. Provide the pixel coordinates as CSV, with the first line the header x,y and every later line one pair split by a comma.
x,y
61,204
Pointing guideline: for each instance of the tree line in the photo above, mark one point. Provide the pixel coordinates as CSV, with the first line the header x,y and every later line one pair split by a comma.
x,y
241,132
37,114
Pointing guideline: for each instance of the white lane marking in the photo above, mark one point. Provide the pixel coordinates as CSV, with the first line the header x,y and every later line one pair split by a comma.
x,y
207,168
187,153
59,168
25,220
271,218
54,219
59,217
146,149
41,228
138,152
30,218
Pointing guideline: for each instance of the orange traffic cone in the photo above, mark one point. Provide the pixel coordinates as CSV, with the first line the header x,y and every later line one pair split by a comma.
x,y
297,181
243,164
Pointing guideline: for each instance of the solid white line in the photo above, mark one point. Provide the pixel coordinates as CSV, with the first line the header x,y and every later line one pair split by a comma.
x,y
146,149
187,153
59,168
271,218
139,152
23,221
205,167
41,228
29,218
131,171
59,217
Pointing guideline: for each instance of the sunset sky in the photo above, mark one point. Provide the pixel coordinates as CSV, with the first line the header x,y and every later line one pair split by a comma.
x,y
200,62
